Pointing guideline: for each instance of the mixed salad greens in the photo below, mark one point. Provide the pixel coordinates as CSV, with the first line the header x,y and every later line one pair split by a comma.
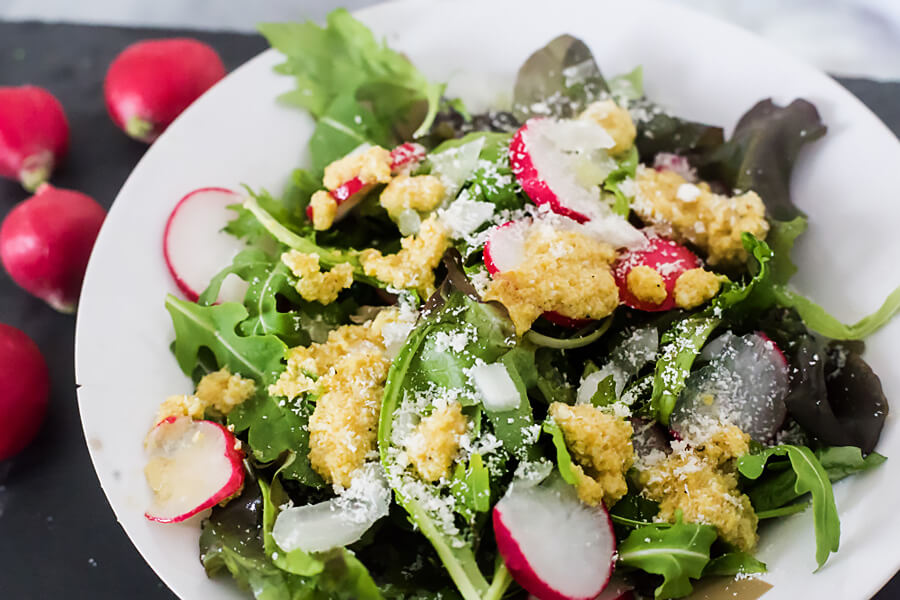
x,y
532,406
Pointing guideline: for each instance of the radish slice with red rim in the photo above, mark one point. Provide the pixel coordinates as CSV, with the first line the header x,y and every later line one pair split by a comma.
x,y
195,246
193,466
744,384
555,547
667,258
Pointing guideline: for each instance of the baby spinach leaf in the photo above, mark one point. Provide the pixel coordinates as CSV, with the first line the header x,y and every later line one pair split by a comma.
x,y
559,80
680,346
762,151
513,427
633,510
345,125
344,59
679,552
215,327
811,478
551,380
734,563
563,458
458,559
658,131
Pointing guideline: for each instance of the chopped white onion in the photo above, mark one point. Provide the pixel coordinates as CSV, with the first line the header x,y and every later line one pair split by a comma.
x,y
497,389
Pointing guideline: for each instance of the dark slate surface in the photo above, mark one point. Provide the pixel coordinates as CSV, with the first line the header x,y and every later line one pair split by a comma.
x,y
58,536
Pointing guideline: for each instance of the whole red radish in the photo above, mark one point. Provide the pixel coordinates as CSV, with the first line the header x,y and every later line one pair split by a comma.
x,y
153,81
24,387
34,134
45,243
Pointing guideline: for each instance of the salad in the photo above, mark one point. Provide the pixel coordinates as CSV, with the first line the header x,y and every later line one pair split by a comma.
x,y
548,350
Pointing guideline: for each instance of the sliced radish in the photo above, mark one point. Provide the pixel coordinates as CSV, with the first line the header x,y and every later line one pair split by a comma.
x,y
649,437
193,466
550,158
196,247
406,157
504,249
667,258
564,321
337,522
665,161
553,545
744,384
347,196
498,392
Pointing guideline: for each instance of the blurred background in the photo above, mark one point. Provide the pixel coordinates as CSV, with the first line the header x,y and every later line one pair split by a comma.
x,y
856,38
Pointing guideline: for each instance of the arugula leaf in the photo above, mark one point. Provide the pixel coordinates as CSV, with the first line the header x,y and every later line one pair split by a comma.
x,y
811,478
290,207
214,327
781,238
269,279
762,150
296,561
471,485
628,86
328,257
734,563
680,346
816,318
344,59
559,79
679,552
842,461
275,429
777,490
563,458
344,126
627,167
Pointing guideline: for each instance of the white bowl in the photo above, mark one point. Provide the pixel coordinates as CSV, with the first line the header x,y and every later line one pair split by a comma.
x,y
699,67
